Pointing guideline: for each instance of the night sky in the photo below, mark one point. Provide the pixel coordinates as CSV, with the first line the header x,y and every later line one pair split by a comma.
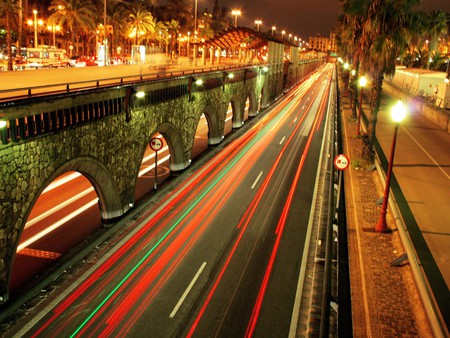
x,y
303,18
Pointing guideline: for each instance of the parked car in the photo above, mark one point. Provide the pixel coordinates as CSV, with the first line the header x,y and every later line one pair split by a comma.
x,y
81,61
74,61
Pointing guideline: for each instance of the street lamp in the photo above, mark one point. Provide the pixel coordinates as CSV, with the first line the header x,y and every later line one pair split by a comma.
x,y
282,34
235,12
273,29
257,23
398,113
362,83
54,28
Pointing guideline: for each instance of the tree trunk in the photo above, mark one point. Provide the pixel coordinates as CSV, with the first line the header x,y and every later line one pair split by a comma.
x,y
354,98
376,101
20,26
9,40
354,84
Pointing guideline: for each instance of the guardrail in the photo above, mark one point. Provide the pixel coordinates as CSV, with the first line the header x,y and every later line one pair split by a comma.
x,y
41,121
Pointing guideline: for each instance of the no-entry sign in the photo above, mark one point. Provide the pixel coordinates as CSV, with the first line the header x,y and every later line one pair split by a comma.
x,y
156,144
341,162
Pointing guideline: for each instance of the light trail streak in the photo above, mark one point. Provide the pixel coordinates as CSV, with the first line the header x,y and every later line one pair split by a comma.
x,y
242,146
83,325
57,208
245,221
279,231
108,299
61,181
218,200
196,185
56,225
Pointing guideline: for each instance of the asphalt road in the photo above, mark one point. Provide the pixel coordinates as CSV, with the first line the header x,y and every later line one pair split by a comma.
x,y
220,256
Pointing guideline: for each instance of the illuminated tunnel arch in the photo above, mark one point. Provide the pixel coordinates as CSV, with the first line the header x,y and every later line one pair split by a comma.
x,y
100,178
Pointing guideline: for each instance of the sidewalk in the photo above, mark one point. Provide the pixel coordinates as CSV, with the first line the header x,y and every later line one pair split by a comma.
x,y
385,302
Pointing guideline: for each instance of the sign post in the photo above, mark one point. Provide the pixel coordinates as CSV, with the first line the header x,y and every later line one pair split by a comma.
x,y
341,162
156,144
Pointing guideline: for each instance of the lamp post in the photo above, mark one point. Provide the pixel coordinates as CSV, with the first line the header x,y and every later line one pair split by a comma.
x,y
273,29
105,54
282,34
188,41
35,27
195,16
235,12
362,83
398,113
257,23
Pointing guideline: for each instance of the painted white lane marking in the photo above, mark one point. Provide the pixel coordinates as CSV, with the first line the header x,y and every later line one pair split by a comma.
x,y
257,179
188,289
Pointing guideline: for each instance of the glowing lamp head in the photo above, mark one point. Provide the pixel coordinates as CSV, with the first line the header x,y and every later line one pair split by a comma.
x,y
140,94
199,82
362,81
398,112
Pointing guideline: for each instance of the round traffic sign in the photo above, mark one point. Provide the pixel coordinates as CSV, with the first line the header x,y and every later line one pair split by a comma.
x,y
156,144
341,162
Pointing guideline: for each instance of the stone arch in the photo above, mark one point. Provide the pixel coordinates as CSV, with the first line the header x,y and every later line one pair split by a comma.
x,y
215,130
253,109
178,158
111,207
264,97
238,111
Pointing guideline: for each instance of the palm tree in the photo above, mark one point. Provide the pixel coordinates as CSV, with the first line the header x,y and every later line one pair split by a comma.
x,y
350,32
117,17
384,37
436,27
8,9
140,22
416,39
173,28
78,16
